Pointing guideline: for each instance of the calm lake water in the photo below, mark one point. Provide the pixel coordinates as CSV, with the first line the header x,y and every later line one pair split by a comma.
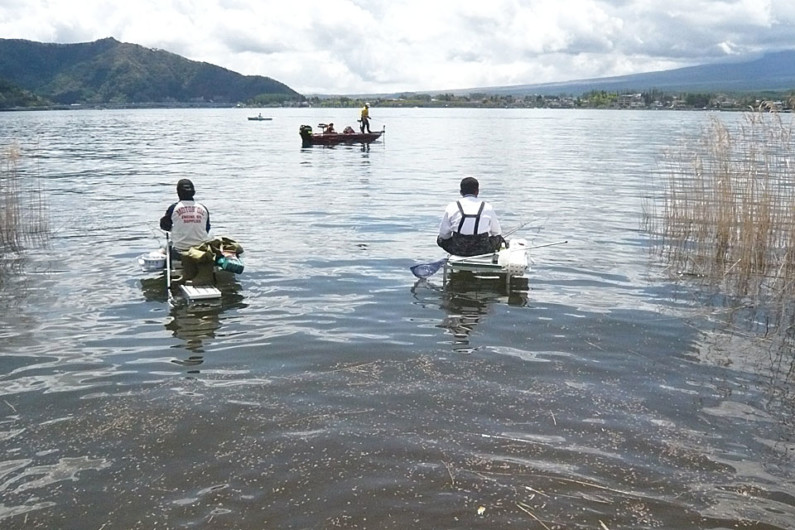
x,y
330,388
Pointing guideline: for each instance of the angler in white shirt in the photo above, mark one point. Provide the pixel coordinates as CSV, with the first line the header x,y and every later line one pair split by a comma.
x,y
469,225
187,220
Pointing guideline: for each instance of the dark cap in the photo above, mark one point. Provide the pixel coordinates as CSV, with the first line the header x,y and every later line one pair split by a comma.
x,y
185,189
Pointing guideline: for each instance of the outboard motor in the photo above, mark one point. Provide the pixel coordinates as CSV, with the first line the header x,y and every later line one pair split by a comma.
x,y
306,135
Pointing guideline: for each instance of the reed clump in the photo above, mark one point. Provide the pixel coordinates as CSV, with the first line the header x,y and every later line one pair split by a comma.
x,y
23,212
726,211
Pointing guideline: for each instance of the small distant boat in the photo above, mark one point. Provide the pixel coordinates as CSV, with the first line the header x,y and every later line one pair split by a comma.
x,y
259,117
308,138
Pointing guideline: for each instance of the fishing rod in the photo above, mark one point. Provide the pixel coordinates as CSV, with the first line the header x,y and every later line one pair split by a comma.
x,y
514,230
549,244
424,270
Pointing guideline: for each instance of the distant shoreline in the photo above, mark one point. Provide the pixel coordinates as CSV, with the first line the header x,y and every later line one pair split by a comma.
x,y
785,110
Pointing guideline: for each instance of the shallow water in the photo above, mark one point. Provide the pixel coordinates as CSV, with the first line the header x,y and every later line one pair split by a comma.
x,y
331,388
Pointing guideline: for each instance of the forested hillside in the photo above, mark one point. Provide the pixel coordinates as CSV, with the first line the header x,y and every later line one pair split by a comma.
x,y
111,73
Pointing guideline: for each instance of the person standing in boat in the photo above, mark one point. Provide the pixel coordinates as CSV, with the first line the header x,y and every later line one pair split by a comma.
x,y
187,220
365,118
469,225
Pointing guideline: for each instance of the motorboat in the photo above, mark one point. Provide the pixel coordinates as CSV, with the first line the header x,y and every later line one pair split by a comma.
x,y
347,136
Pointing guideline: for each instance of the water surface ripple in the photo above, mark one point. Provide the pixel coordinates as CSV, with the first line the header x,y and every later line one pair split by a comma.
x,y
330,388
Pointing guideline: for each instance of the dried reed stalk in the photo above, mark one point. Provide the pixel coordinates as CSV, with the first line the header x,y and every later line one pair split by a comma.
x,y
23,216
728,207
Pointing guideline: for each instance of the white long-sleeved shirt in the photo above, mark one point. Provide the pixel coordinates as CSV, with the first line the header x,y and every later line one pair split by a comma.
x,y
191,224
452,218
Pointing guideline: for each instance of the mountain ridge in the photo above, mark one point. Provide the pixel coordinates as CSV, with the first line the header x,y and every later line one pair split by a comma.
x,y
109,72
773,71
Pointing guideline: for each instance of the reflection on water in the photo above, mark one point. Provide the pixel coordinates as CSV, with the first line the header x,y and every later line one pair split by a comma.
x,y
154,288
467,297
14,283
194,322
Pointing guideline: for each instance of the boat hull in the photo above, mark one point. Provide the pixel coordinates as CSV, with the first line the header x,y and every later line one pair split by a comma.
x,y
309,139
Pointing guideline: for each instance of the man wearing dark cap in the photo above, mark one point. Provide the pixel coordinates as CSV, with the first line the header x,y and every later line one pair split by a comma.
x,y
187,220
469,225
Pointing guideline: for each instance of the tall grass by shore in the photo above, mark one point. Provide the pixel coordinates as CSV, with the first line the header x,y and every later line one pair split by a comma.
x,y
724,214
23,212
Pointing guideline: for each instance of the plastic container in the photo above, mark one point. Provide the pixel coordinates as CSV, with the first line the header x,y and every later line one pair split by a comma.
x,y
230,263
154,261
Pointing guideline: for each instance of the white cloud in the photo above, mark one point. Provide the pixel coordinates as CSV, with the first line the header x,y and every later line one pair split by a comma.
x,y
367,46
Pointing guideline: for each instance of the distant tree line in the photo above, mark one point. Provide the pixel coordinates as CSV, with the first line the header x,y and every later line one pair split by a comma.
x,y
12,96
596,99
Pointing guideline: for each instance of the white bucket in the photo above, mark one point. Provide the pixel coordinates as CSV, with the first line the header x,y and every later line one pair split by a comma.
x,y
154,261
514,258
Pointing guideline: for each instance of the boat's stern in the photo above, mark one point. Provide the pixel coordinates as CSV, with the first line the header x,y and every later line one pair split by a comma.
x,y
306,135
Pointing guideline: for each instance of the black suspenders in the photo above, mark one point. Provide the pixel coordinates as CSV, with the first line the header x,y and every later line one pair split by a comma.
x,y
465,216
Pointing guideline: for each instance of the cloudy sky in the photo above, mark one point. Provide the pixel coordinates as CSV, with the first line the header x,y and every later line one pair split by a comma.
x,y
378,46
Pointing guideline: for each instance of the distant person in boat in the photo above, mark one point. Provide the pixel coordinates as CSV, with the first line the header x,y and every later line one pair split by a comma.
x,y
469,225
187,220
365,118
330,128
